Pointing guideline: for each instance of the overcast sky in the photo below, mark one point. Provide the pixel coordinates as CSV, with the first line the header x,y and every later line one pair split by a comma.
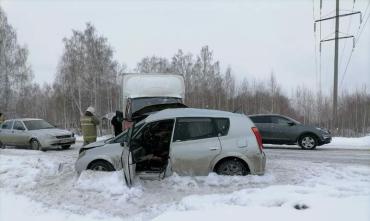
x,y
253,37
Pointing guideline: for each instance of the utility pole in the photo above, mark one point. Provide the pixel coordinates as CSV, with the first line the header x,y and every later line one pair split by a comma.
x,y
335,92
336,47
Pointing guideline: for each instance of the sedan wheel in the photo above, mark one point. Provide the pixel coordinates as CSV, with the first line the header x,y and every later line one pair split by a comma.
x,y
101,166
307,142
2,146
35,145
233,167
65,147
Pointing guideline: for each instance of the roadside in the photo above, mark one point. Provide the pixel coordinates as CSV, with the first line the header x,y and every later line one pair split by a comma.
x,y
312,178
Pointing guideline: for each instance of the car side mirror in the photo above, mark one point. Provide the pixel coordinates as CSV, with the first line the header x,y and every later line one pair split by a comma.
x,y
291,123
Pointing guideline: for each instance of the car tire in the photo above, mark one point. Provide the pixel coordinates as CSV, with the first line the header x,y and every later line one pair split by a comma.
x,y
2,146
232,167
307,142
65,147
101,165
35,145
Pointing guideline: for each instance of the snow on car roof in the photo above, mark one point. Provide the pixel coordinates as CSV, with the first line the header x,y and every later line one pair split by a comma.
x,y
23,119
188,112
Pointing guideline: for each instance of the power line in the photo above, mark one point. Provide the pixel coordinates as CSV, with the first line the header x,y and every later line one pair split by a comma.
x,y
357,39
336,47
345,43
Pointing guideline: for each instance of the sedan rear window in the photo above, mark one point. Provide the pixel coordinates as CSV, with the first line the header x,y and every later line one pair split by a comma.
x,y
37,124
193,129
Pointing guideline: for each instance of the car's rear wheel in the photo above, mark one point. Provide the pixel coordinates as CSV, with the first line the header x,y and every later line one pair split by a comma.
x,y
232,167
64,147
35,145
307,142
2,146
101,165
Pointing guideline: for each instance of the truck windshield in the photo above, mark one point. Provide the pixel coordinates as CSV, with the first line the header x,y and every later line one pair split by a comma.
x,y
139,103
37,124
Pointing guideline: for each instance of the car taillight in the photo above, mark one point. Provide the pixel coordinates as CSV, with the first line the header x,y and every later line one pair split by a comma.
x,y
258,137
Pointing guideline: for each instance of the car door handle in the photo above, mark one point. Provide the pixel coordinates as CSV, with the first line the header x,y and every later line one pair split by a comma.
x,y
214,148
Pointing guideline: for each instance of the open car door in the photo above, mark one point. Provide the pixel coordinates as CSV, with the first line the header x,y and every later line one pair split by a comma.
x,y
128,165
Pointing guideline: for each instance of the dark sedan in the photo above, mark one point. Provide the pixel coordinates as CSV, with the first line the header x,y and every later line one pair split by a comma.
x,y
278,129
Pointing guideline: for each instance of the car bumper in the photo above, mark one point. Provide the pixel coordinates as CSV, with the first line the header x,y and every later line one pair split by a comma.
x,y
58,142
325,140
259,164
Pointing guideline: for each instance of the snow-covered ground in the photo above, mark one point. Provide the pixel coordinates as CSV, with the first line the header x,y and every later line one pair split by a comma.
x,y
325,184
350,142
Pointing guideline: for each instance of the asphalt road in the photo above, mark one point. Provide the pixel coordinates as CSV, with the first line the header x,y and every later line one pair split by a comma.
x,y
320,155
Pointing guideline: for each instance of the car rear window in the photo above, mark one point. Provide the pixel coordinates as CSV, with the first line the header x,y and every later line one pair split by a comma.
x,y
194,129
222,126
261,119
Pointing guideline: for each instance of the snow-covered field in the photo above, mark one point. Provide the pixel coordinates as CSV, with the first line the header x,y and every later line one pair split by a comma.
x,y
325,184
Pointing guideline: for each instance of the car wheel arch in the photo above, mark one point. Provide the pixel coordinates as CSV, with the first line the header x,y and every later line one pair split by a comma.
x,y
98,160
308,133
221,159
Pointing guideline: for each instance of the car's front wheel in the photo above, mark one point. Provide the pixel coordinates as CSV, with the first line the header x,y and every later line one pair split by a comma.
x,y
35,145
65,147
101,165
232,167
307,142
2,146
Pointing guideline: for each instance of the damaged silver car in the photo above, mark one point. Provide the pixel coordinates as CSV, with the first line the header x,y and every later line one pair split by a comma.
x,y
186,141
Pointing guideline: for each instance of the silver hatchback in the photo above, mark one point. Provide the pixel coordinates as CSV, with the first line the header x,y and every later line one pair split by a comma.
x,y
35,133
186,141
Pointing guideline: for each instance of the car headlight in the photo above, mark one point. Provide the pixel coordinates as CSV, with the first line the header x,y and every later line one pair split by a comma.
x,y
323,130
81,153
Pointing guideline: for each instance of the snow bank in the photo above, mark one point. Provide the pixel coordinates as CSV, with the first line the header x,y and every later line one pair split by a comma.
x,y
332,195
26,171
109,183
16,207
318,209
350,142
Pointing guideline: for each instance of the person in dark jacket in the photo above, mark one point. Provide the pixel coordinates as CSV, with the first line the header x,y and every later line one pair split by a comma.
x,y
117,122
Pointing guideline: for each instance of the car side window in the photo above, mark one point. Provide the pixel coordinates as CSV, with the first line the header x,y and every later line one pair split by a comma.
x,y
18,126
261,119
7,125
222,126
280,120
194,129
122,138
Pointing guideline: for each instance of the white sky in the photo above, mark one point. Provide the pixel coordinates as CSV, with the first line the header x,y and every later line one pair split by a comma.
x,y
253,37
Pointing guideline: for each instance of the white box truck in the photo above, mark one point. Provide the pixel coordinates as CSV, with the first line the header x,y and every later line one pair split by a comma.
x,y
150,92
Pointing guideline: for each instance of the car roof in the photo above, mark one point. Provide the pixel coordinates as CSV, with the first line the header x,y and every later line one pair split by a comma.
x,y
24,119
188,112
265,115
